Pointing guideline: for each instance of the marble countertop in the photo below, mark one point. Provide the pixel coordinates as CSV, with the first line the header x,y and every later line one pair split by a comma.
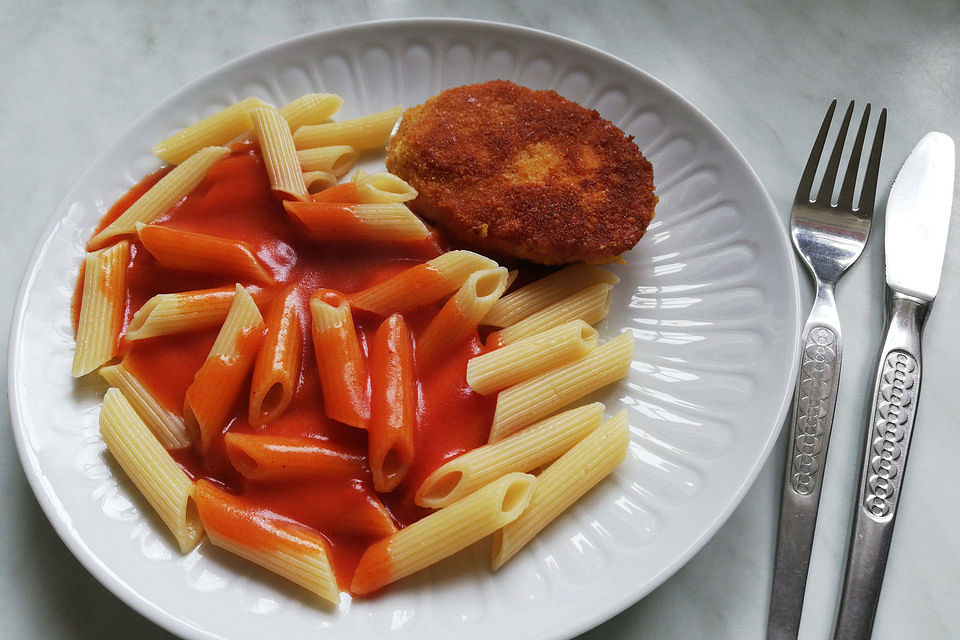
x,y
76,74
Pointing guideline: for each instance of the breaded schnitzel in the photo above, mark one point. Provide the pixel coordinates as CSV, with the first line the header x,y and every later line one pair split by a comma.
x,y
524,173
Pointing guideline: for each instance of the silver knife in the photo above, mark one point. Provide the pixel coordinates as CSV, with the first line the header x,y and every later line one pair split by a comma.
x,y
918,214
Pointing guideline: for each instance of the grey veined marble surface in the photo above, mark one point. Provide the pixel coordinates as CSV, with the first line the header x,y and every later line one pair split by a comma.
x,y
75,74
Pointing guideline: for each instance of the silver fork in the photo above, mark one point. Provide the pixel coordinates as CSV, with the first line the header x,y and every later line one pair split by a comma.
x,y
829,238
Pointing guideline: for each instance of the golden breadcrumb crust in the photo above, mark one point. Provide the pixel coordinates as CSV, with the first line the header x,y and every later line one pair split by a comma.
x,y
524,173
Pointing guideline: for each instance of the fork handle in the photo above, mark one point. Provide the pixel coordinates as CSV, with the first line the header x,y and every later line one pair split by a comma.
x,y
889,428
814,402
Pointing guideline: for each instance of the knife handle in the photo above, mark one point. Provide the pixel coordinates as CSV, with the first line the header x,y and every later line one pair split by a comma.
x,y
814,401
889,429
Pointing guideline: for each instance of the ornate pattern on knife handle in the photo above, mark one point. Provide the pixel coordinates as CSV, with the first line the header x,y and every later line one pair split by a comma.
x,y
817,373
894,416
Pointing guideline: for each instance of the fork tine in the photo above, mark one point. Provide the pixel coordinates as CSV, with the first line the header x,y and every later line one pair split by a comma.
x,y
825,195
810,171
869,192
853,165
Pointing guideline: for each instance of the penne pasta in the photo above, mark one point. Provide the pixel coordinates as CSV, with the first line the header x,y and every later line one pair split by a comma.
x,y
519,304
190,251
382,188
530,357
340,361
276,371
167,313
318,181
420,285
161,480
166,425
275,543
217,384
214,130
591,305
328,222
563,483
336,160
536,398
364,188
524,451
169,190
279,154
364,133
102,307
271,458
458,318
393,405
311,108
443,533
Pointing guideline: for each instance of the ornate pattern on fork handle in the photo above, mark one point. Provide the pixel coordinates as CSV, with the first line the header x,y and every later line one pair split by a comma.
x,y
817,371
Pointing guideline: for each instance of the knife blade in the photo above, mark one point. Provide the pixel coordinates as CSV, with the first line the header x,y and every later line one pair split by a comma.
x,y
917,218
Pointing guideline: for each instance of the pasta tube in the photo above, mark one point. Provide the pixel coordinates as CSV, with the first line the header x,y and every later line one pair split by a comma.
x,y
530,357
161,481
289,550
524,451
217,384
341,365
563,483
538,397
102,307
358,222
277,368
279,154
458,318
590,305
393,407
519,304
443,533
190,251
420,285
170,189
166,425
215,130
364,133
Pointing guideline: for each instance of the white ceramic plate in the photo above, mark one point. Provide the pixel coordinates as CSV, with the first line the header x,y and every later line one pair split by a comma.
x,y
710,293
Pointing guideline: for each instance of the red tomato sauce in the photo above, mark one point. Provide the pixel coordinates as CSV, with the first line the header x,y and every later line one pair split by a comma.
x,y
235,201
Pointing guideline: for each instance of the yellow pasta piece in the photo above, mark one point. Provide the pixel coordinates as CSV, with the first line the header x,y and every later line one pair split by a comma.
x,y
420,285
381,188
317,181
166,425
215,130
312,108
591,305
101,307
167,313
364,133
289,550
458,318
538,397
326,221
279,154
530,357
524,451
563,483
217,384
519,304
168,191
161,481
336,160
443,533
